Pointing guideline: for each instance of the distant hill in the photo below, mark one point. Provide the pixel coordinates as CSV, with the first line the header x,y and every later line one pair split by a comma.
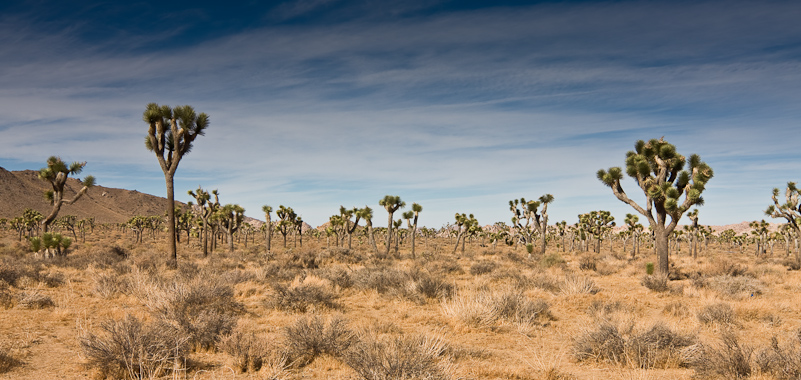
x,y
23,189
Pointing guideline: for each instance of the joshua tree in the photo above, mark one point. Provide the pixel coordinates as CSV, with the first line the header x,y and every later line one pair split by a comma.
x,y
31,218
347,225
366,213
230,217
409,215
527,211
205,211
269,229
170,135
659,171
760,232
287,216
56,174
693,231
299,229
597,224
790,210
635,229
391,204
466,225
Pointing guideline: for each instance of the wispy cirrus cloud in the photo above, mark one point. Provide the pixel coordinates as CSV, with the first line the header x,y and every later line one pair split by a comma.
x,y
466,108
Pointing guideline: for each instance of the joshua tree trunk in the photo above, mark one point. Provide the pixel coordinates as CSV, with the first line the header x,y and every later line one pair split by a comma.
x,y
168,177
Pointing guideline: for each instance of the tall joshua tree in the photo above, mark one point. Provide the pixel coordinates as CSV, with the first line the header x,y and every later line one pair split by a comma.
x,y
635,229
693,216
207,208
409,215
269,223
659,171
527,211
170,135
230,217
349,226
391,204
56,174
466,225
790,210
367,214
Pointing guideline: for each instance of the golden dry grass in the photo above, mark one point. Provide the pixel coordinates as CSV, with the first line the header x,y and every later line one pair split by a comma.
x,y
487,314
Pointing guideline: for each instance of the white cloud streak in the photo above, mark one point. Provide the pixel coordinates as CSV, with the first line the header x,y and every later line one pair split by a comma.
x,y
457,111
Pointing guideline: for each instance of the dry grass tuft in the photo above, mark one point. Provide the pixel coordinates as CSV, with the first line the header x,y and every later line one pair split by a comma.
x,y
484,309
573,284
717,313
399,358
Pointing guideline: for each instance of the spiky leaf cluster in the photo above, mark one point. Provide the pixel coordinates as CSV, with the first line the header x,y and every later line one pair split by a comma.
x,y
596,223
660,172
790,210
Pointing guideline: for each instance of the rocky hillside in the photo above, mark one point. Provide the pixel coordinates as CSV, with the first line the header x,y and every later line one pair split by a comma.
x,y
23,189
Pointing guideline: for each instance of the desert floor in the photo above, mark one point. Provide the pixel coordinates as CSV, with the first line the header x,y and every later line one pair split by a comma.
x,y
322,312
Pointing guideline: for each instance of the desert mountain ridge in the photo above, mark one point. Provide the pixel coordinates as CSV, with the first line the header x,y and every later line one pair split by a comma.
x,y
23,189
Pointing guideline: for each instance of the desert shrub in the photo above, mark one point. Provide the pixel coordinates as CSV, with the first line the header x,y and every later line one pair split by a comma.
x,y
578,285
444,267
552,259
723,267
310,337
483,267
275,272
485,308
247,350
430,286
134,350
236,276
730,360
107,285
201,309
783,362
657,346
792,264
603,344
34,300
382,279
304,259
603,309
649,268
338,276
588,263
735,287
302,295
7,361
344,255
516,307
398,358
657,282
720,313
676,309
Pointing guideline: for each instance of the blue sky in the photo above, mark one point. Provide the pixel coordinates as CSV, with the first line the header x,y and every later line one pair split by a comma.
x,y
457,105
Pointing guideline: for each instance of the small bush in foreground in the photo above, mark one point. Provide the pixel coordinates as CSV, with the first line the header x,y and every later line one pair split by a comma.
x,y
7,361
720,313
247,350
309,337
783,362
398,358
301,296
131,349
730,360
578,285
482,267
34,300
656,347
657,283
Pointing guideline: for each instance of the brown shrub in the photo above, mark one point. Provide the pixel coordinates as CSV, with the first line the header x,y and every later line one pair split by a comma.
x,y
310,337
398,358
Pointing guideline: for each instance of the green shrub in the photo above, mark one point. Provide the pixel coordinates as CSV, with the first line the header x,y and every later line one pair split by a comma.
x,y
649,268
552,259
